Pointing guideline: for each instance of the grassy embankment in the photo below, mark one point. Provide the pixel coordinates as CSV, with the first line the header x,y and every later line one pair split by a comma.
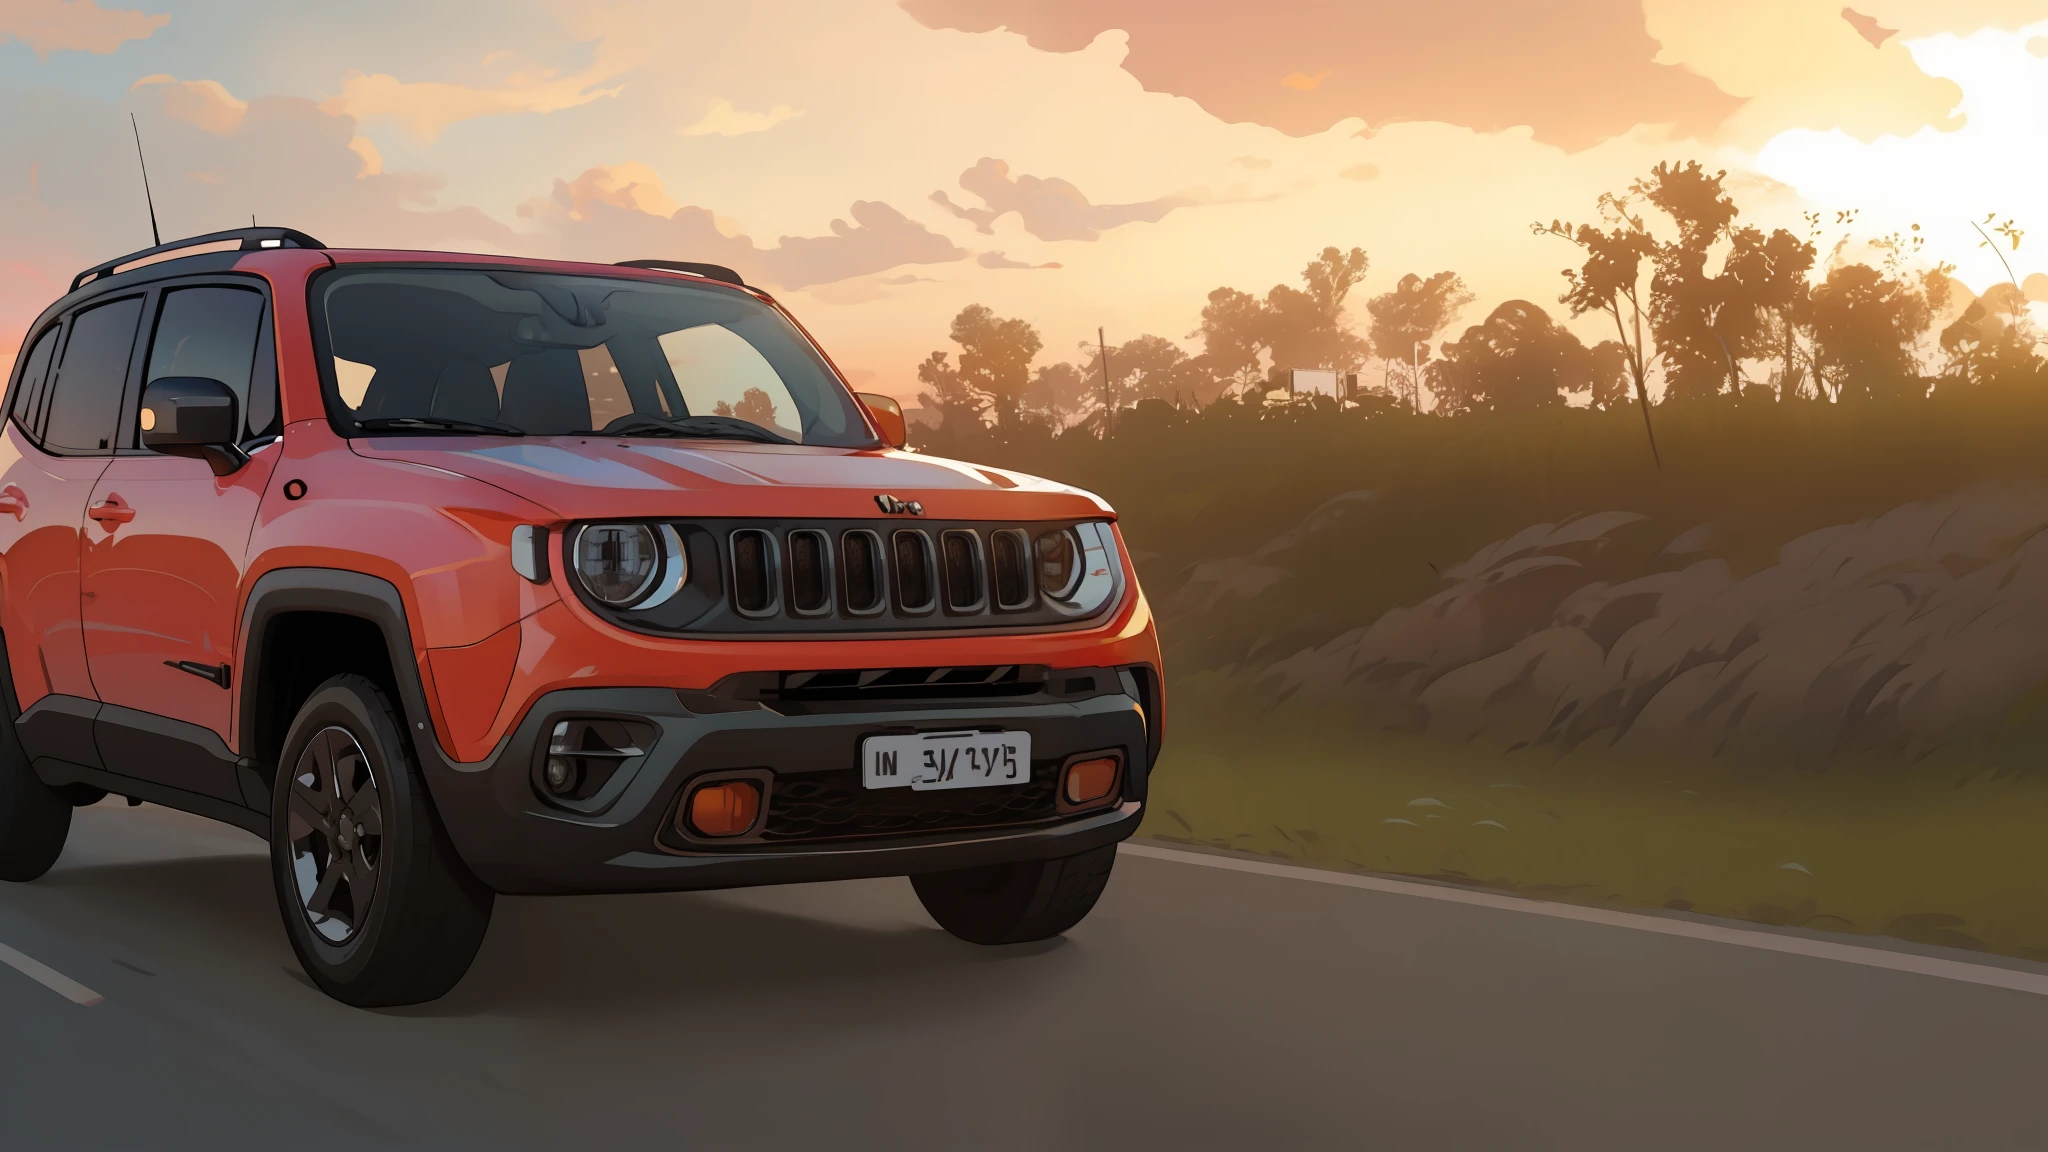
x,y
1947,850
1943,855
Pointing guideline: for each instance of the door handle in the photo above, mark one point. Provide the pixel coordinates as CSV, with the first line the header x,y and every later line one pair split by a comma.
x,y
111,511
13,502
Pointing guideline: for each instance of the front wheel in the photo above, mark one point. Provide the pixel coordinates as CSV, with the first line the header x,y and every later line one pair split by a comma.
x,y
1018,902
379,909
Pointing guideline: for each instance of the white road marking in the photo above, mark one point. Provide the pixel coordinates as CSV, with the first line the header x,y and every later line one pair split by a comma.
x,y
1968,973
49,977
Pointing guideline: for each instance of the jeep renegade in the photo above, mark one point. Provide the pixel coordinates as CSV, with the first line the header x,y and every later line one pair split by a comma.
x,y
452,575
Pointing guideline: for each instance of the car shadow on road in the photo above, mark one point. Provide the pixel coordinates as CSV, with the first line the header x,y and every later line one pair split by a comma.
x,y
227,900
576,956
682,951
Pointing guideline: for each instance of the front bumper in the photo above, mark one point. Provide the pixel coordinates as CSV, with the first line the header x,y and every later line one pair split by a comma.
x,y
622,840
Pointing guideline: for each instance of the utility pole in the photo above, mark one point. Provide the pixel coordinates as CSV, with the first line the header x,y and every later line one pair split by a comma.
x,y
1415,376
1108,398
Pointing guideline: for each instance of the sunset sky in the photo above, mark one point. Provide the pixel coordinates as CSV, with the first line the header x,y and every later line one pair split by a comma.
x,y
1074,162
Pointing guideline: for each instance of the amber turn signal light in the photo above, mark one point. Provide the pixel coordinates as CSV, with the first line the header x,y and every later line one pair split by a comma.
x,y
1090,780
726,808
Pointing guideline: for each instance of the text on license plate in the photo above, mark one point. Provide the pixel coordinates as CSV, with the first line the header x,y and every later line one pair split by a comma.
x,y
929,761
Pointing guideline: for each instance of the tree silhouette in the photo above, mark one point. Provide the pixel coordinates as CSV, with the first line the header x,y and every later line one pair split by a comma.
x,y
1771,275
1691,312
1412,314
1305,327
995,358
756,407
958,407
994,370
1233,333
1608,282
1058,393
1609,379
1994,337
1517,359
1865,325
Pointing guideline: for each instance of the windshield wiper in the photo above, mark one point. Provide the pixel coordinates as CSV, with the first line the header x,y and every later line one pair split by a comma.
x,y
436,424
693,427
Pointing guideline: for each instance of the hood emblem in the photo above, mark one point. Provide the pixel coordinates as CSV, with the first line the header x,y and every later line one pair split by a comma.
x,y
891,506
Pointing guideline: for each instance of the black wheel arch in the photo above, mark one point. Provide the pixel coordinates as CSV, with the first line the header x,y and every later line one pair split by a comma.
x,y
285,593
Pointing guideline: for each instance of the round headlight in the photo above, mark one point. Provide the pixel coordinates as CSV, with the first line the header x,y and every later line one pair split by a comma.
x,y
1059,563
1078,569
617,562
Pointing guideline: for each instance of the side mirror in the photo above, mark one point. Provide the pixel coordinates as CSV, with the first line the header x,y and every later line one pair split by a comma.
x,y
887,415
194,416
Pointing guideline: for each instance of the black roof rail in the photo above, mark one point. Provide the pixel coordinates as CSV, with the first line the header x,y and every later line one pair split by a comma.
x,y
708,271
253,239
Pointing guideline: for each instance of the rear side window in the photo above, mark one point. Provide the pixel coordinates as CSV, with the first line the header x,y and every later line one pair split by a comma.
x,y
217,333
36,367
85,403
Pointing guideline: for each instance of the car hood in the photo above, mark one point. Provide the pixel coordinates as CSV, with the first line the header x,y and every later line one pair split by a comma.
x,y
592,477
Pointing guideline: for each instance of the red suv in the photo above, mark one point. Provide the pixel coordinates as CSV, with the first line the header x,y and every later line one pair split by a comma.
x,y
452,575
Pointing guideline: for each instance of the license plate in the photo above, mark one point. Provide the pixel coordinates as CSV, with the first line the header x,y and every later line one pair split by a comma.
x,y
930,761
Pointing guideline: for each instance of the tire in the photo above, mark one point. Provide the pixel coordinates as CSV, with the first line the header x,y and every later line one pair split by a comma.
x,y
379,908
1018,902
34,820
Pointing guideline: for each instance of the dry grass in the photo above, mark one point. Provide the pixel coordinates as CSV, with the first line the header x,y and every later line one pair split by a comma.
x,y
1936,855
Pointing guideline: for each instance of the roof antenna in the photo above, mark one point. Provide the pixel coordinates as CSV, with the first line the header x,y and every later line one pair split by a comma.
x,y
156,238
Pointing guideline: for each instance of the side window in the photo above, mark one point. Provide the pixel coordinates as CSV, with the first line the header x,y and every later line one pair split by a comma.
x,y
36,367
217,333
85,402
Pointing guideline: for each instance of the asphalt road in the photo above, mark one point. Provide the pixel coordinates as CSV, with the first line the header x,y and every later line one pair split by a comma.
x,y
1197,1008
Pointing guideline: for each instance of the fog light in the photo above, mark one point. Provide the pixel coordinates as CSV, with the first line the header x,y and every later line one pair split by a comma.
x,y
1091,780
561,775
584,754
726,808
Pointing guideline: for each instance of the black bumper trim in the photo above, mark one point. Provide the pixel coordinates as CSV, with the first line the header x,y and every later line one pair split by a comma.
x,y
519,843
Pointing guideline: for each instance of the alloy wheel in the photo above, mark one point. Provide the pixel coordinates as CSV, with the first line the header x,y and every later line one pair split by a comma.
x,y
336,831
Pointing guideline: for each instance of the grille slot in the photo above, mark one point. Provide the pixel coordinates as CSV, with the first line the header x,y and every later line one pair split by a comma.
x,y
916,582
944,683
810,572
965,577
753,572
860,559
834,806
1011,560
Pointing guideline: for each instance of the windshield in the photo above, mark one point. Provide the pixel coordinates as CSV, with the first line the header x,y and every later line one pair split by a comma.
x,y
424,350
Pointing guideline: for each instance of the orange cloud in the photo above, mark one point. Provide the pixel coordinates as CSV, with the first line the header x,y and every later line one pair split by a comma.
x,y
725,120
426,108
202,103
1481,64
623,212
1800,64
1051,208
1868,27
74,25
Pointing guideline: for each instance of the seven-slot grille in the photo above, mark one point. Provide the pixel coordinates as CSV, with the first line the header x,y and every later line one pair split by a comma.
x,y
861,572
800,577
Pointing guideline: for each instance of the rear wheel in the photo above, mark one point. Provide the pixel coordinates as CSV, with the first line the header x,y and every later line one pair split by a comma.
x,y
379,909
1017,902
34,819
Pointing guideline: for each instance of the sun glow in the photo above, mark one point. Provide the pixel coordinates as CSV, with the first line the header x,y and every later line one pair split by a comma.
x,y
1947,182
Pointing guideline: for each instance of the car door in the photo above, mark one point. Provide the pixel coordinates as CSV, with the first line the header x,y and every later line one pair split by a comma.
x,y
61,422
165,543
